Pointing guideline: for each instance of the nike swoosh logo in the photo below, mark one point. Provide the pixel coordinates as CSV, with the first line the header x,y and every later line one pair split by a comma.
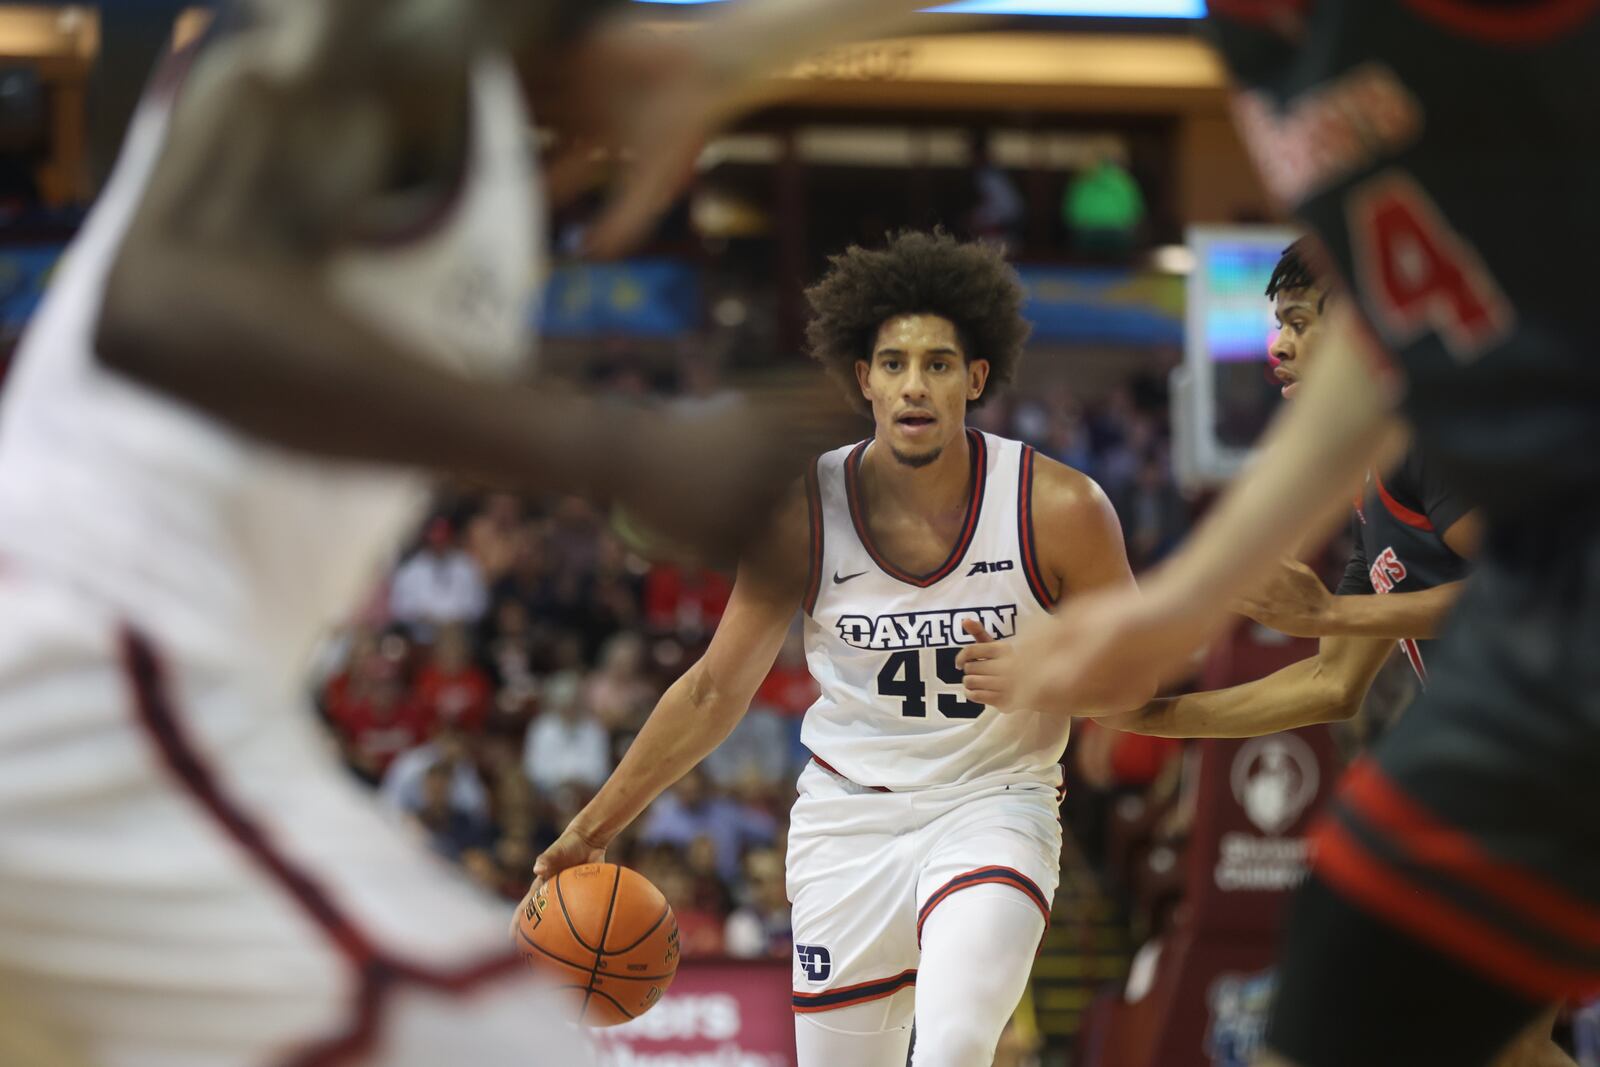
x,y
840,581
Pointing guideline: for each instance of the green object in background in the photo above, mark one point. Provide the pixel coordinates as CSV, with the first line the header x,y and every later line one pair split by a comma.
x,y
1103,198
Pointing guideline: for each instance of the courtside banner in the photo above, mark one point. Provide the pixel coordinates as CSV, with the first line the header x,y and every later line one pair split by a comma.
x,y
718,1013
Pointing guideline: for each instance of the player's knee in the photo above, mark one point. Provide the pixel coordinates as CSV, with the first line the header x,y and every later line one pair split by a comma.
x,y
955,1043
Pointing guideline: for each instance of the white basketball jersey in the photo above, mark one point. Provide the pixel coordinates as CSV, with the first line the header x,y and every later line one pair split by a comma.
x,y
882,643
218,545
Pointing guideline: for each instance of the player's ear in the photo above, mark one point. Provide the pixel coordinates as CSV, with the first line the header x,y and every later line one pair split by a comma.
x,y
863,368
977,378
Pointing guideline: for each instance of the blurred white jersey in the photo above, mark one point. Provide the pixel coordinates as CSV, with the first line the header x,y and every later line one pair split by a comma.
x,y
189,877
882,643
213,543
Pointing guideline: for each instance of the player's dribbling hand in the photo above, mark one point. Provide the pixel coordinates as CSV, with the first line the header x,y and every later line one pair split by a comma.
x,y
571,849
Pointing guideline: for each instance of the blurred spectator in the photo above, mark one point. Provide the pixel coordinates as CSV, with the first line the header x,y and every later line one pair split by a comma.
x,y
450,689
565,744
451,830
509,648
439,584
493,536
683,600
372,714
760,926
527,580
618,692
1103,209
699,927
690,809
402,786
1153,513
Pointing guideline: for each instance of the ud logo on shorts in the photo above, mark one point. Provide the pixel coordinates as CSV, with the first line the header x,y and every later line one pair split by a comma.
x,y
815,961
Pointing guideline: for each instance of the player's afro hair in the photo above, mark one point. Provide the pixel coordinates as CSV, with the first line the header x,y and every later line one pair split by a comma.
x,y
1295,270
918,273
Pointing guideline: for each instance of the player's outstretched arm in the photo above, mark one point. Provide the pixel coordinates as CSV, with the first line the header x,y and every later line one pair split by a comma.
x,y
702,707
1081,552
1294,601
216,299
1327,687
1104,647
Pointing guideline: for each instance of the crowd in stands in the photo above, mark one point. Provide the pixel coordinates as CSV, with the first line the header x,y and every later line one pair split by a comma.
x,y
516,649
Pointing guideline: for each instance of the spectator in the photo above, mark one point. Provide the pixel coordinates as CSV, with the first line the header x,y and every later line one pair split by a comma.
x,y
565,744
618,693
450,830
528,578
373,716
1153,513
438,585
688,601
493,536
451,690
699,928
760,926
402,787
690,809
508,646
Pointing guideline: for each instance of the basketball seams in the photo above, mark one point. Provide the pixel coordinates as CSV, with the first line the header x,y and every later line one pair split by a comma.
x,y
562,900
605,928
614,1003
666,910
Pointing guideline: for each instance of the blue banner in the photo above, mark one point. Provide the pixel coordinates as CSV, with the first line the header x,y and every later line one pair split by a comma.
x,y
24,272
1104,306
635,298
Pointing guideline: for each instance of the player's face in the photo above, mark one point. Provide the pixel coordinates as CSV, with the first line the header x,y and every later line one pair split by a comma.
x,y
1298,315
919,382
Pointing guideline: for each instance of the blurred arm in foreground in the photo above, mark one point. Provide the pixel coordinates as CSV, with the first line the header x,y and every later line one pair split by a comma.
x,y
1102,647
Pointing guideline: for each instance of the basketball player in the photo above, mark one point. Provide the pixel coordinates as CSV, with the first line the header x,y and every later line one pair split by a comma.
x,y
1456,887
317,251
924,848
1413,539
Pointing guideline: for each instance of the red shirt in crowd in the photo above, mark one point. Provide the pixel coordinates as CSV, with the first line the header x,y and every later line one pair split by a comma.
x,y
375,730
459,698
788,690
675,596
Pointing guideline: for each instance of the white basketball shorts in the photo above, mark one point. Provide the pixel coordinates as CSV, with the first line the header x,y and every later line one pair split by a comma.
x,y
189,879
867,867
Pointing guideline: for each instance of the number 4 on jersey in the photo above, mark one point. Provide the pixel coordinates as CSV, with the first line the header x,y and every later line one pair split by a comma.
x,y
1418,274
901,676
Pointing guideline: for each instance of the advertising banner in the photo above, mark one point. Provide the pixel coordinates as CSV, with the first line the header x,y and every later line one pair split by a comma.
x,y
718,1013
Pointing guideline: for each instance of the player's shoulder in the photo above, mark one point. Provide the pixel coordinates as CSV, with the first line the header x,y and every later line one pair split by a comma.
x,y
1066,496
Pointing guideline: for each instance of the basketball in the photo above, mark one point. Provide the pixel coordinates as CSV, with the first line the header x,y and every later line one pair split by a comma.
x,y
607,936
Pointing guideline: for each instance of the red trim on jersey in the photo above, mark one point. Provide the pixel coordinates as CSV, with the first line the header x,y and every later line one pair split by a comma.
x,y
1030,559
860,993
814,514
378,975
1413,653
1415,519
1354,872
831,769
1441,847
978,478
993,875
1513,24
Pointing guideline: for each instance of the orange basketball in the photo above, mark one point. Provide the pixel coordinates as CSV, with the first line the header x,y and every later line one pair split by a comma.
x,y
607,936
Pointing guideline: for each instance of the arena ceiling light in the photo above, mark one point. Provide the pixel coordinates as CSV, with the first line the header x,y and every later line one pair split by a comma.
x,y
1120,9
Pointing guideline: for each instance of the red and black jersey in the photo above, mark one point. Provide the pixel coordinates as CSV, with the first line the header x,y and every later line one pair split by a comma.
x,y
1399,528
1444,152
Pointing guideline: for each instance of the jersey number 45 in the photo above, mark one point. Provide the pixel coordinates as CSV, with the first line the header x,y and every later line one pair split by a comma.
x,y
901,676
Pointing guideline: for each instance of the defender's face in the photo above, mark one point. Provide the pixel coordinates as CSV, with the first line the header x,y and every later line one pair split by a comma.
x,y
1299,317
919,383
